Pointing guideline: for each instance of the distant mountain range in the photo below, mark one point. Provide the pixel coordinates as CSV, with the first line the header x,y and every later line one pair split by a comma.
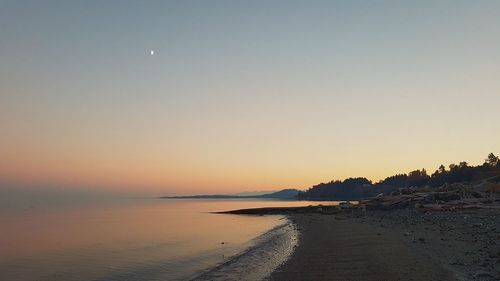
x,y
282,194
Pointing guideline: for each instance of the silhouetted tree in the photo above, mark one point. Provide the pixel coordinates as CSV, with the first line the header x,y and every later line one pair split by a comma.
x,y
418,178
354,188
492,160
441,169
399,180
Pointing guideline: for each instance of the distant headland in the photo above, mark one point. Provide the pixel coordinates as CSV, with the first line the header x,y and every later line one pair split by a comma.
x,y
285,194
360,188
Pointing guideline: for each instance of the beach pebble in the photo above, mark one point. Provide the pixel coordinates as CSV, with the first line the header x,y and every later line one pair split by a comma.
x,y
482,274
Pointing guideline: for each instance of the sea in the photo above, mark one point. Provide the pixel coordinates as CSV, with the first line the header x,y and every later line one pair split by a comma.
x,y
145,239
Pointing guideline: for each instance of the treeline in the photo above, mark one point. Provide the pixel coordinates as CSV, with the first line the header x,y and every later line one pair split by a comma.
x,y
355,188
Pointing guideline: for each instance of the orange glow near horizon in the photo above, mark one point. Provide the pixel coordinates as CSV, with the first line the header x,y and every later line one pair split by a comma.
x,y
130,173
243,96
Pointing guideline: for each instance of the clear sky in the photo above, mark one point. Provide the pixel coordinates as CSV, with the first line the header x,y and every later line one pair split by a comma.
x,y
243,95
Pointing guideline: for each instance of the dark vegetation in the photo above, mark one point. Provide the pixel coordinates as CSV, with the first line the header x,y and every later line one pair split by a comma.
x,y
356,188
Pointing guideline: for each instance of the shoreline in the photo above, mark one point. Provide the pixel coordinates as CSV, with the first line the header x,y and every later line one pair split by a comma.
x,y
400,244
268,252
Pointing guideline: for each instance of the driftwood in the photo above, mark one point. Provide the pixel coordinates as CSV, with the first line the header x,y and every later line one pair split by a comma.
x,y
461,198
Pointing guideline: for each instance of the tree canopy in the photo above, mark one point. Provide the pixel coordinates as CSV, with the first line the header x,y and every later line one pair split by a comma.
x,y
355,188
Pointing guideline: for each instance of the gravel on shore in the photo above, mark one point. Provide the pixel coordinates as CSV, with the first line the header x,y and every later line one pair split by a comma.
x,y
402,244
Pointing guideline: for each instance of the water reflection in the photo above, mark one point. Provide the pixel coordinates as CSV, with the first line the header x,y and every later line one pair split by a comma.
x,y
141,239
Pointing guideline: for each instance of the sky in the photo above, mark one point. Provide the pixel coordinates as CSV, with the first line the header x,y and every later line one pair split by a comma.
x,y
242,95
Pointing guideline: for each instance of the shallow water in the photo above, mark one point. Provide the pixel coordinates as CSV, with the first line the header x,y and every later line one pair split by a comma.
x,y
146,239
257,262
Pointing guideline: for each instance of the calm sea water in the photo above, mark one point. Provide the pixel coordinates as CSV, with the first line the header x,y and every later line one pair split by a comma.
x,y
141,239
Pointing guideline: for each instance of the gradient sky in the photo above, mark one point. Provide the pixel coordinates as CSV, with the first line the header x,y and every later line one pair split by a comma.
x,y
243,95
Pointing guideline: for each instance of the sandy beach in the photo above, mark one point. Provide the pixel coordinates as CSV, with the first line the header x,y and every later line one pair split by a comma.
x,y
338,248
394,245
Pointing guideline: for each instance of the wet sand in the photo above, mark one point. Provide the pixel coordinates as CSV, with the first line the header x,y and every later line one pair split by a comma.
x,y
267,253
339,247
